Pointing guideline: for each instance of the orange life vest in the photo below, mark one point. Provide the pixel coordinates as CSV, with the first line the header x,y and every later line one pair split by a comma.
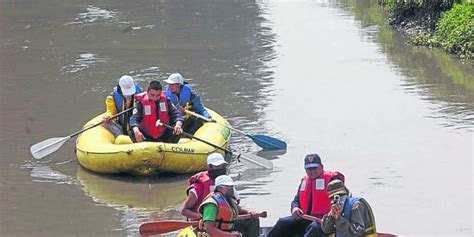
x,y
149,115
316,192
226,213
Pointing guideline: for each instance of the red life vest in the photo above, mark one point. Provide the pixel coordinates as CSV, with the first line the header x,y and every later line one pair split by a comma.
x,y
149,115
202,184
316,192
226,213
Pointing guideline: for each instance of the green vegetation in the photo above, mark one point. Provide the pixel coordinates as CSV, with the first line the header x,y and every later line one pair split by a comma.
x,y
455,30
448,24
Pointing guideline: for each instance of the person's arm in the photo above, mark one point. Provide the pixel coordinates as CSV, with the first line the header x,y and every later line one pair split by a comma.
x,y
175,115
296,211
328,224
189,204
296,199
209,214
198,107
356,225
110,109
137,116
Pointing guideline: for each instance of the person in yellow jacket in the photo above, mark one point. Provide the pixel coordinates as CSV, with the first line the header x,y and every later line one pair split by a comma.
x,y
122,98
349,216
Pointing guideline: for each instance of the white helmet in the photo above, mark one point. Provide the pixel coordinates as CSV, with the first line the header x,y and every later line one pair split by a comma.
x,y
215,159
224,180
175,78
127,85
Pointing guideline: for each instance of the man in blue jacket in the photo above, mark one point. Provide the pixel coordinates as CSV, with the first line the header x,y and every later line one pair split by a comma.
x,y
183,98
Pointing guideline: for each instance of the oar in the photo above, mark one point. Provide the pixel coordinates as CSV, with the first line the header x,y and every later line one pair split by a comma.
x,y
48,146
250,158
161,227
313,218
263,141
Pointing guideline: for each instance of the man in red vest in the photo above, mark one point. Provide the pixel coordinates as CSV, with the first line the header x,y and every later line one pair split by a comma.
x,y
153,109
201,184
311,199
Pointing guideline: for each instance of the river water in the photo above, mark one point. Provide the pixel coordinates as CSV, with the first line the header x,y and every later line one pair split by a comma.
x,y
325,76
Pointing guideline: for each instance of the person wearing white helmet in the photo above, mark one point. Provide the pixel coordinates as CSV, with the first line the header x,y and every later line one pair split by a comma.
x,y
201,184
220,209
180,94
122,98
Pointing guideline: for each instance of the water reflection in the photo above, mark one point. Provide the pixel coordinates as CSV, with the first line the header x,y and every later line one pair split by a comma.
x,y
436,77
138,200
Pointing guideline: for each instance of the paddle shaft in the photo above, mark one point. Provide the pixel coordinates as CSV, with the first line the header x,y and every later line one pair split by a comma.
x,y
48,146
311,218
256,160
263,141
199,139
210,120
161,227
97,124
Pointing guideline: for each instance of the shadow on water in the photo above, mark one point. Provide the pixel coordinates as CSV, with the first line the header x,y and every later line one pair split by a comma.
x,y
437,77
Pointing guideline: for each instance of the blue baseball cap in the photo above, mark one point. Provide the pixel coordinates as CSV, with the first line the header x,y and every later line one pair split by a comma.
x,y
312,160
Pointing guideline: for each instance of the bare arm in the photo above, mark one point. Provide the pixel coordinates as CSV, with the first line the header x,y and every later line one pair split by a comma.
x,y
188,207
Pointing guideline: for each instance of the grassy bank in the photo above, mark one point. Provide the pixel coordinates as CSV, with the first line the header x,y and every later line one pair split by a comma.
x,y
447,24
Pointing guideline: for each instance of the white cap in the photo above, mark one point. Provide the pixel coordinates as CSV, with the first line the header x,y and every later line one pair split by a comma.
x,y
215,159
175,78
224,180
126,85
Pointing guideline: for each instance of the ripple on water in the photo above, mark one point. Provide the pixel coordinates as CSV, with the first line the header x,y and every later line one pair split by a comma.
x,y
94,15
85,61
42,173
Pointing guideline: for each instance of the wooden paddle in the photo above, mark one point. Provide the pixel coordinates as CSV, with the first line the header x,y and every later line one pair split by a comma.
x,y
313,218
48,146
250,158
161,227
263,141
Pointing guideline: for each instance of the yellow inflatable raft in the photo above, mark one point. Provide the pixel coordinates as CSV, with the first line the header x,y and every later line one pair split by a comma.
x,y
96,151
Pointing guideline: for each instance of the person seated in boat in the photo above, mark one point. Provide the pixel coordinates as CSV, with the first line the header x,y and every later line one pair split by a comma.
x,y
182,97
220,209
122,98
311,199
154,109
202,183
349,216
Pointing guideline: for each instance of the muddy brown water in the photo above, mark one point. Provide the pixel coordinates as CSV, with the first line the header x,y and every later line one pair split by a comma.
x,y
325,76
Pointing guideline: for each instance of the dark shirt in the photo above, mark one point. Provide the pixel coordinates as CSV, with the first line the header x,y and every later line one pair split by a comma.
x,y
137,117
353,226
296,199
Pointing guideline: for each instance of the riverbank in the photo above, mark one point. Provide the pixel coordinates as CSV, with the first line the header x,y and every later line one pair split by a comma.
x,y
446,24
